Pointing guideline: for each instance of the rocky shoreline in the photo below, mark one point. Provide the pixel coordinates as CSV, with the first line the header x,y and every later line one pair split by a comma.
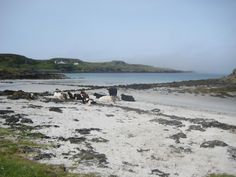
x,y
18,74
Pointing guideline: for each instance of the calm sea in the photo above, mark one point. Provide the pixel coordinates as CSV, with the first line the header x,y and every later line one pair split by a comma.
x,y
131,78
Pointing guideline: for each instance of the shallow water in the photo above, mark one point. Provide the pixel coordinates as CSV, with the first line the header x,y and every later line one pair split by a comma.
x,y
103,79
131,78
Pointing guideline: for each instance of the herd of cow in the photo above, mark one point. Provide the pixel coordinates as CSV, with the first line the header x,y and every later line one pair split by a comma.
x,y
84,97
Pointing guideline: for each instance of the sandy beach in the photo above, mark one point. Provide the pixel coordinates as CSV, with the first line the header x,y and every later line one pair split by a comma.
x,y
162,133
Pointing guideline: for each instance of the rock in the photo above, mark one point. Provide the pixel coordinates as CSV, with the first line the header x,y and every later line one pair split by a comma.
x,y
127,97
45,94
76,120
177,137
35,106
232,153
44,156
55,109
54,100
37,127
75,140
143,150
91,157
85,131
6,92
99,140
62,138
97,95
206,123
25,120
6,111
212,144
12,120
156,110
159,173
129,164
195,127
180,149
22,95
110,115
168,122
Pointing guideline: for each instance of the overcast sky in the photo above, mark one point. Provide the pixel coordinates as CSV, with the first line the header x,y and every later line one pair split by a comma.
x,y
197,35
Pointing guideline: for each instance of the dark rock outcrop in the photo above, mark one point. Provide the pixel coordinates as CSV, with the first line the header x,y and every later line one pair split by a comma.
x,y
99,140
156,110
110,115
91,157
23,74
127,97
55,109
179,150
75,140
6,92
26,120
44,156
85,131
6,111
168,122
35,106
22,95
159,173
212,144
205,123
37,127
12,120
232,153
195,127
177,137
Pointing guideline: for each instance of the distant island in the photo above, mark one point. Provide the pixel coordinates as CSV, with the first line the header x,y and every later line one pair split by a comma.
x,y
13,66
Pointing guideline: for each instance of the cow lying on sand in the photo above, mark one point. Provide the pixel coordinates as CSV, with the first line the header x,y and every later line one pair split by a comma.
x,y
110,99
83,96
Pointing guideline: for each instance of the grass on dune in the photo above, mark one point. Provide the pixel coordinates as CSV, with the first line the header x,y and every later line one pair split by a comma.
x,y
14,162
220,175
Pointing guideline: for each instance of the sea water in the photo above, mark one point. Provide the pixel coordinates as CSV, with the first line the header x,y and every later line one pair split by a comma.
x,y
100,79
132,78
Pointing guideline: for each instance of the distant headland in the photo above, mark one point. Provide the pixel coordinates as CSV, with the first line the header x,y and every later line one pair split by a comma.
x,y
13,66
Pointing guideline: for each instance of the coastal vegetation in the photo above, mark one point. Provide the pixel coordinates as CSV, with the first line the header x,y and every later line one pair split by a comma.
x,y
220,175
16,148
14,66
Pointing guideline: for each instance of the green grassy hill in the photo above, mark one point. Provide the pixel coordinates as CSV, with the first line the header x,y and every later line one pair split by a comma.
x,y
19,62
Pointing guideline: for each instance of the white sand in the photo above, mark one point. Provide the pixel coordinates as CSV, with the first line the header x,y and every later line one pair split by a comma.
x,y
129,132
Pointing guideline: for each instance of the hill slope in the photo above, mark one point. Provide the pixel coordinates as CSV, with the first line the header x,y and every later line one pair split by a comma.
x,y
19,62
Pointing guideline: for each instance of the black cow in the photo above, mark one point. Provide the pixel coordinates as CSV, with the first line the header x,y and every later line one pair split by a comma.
x,y
112,91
